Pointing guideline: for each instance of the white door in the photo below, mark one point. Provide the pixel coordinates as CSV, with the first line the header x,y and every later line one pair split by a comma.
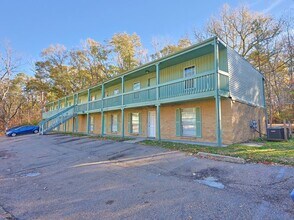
x,y
151,124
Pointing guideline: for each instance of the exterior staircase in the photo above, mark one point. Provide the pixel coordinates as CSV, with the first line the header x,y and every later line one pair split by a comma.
x,y
57,119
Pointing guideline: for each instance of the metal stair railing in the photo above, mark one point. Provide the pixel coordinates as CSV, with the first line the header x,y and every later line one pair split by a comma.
x,y
56,120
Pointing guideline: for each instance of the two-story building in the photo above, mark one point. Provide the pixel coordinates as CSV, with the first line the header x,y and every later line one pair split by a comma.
x,y
206,93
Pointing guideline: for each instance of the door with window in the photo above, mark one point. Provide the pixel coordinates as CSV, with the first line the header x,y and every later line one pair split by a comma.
x,y
152,124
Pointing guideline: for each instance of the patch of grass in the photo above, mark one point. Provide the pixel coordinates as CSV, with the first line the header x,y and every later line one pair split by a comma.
x,y
72,134
270,152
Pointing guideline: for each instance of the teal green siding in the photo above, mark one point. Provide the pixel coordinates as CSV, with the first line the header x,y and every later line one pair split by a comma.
x,y
202,64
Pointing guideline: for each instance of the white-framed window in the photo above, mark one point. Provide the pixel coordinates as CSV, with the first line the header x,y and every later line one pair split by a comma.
x,y
114,123
188,73
116,92
135,123
136,86
188,119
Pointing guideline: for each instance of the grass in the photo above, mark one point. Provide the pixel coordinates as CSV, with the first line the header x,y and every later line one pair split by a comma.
x,y
269,153
99,137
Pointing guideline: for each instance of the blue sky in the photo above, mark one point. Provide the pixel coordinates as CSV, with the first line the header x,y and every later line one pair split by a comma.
x,y
32,25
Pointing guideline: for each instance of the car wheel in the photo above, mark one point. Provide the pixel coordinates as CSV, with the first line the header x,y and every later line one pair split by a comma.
x,y
13,134
36,131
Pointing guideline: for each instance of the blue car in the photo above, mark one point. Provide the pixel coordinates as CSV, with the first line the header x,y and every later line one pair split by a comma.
x,y
26,129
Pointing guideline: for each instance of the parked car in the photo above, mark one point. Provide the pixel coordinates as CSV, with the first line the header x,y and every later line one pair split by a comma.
x,y
13,128
26,129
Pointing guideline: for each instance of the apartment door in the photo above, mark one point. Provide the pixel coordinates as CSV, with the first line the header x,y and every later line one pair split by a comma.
x,y
152,124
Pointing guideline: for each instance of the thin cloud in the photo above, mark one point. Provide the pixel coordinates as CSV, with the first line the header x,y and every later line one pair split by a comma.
x,y
272,5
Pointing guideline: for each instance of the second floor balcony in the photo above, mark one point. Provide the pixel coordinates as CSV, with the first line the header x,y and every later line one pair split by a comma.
x,y
185,76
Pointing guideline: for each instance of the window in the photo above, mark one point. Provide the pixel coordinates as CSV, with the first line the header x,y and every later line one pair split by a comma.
x,y
188,117
136,86
91,124
116,92
135,123
188,73
189,122
114,123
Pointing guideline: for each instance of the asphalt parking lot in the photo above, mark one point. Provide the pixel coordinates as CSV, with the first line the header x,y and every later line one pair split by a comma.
x,y
63,177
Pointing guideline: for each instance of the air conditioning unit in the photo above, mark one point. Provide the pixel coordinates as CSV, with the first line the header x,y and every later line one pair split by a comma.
x,y
277,134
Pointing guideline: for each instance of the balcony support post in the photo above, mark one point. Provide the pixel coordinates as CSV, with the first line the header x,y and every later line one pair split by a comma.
x,y
88,115
73,119
65,105
157,81
217,96
102,112
58,129
158,136
123,122
122,110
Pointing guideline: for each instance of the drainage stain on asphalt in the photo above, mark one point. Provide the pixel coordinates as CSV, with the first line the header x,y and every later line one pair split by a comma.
x,y
115,157
4,154
216,172
109,202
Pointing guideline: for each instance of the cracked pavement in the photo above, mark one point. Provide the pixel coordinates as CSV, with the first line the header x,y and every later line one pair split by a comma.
x,y
63,177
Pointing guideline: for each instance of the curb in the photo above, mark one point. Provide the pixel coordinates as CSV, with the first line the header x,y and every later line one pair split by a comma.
x,y
221,157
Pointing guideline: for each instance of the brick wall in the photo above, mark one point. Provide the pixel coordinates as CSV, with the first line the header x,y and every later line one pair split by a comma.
x,y
144,118
235,119
242,114
82,123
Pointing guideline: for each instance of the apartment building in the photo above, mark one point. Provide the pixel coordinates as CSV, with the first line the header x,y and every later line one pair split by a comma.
x,y
206,93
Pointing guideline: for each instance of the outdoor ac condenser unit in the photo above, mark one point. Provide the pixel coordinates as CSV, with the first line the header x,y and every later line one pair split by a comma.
x,y
277,134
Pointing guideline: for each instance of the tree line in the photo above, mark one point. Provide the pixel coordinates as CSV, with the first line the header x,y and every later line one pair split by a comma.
x,y
266,42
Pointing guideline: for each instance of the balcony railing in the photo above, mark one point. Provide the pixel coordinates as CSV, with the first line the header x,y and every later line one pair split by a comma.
x,y
143,95
187,88
112,101
96,104
81,107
